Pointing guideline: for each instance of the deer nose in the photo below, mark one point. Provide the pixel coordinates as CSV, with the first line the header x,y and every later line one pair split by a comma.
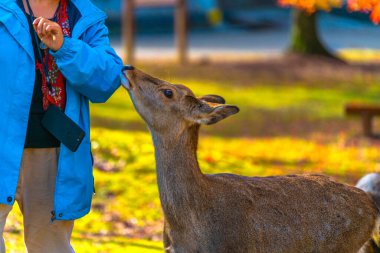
x,y
124,76
128,67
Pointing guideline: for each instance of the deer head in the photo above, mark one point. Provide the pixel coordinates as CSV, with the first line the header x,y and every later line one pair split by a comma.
x,y
165,106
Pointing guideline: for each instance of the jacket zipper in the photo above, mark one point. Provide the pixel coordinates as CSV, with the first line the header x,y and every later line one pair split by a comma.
x,y
83,29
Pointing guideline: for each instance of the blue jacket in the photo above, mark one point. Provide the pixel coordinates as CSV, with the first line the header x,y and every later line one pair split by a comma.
x,y
91,68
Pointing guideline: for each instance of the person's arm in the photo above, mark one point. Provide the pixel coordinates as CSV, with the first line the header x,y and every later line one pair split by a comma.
x,y
91,66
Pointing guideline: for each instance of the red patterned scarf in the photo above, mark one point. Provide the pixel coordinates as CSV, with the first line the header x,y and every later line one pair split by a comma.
x,y
56,95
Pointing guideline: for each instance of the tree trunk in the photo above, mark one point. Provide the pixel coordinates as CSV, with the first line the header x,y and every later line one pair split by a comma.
x,y
304,36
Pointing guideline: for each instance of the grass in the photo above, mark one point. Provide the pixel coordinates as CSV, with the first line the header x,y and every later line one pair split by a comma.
x,y
290,122
360,55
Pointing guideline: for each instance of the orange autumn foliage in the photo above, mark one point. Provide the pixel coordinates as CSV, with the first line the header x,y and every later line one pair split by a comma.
x,y
311,5
372,6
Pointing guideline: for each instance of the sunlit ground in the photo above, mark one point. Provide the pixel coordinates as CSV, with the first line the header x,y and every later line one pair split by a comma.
x,y
291,121
360,55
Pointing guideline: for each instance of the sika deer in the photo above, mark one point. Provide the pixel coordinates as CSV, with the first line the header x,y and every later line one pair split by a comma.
x,y
370,183
226,213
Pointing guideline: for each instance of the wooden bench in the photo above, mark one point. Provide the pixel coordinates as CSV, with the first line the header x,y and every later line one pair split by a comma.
x,y
367,112
129,24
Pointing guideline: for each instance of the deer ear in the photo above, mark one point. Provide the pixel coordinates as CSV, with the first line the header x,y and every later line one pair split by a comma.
x,y
213,99
218,113
208,113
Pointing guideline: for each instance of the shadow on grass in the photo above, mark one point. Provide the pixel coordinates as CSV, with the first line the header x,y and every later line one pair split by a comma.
x,y
278,162
116,240
145,246
118,124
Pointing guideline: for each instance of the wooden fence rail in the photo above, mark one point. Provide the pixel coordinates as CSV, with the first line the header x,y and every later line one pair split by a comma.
x,y
129,26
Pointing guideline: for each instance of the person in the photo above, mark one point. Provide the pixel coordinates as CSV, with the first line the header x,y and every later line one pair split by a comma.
x,y
53,53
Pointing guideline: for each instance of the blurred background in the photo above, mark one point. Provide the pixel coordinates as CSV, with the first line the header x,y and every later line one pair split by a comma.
x,y
244,28
303,77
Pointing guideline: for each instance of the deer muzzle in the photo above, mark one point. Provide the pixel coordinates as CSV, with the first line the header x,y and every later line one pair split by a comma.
x,y
124,76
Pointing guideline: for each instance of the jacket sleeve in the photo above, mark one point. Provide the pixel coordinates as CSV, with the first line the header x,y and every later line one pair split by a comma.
x,y
90,66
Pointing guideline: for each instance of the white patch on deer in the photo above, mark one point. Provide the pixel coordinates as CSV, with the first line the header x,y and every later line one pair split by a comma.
x,y
202,121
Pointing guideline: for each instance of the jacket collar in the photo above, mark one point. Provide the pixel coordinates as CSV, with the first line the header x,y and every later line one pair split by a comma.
x,y
10,6
86,7
90,14
12,17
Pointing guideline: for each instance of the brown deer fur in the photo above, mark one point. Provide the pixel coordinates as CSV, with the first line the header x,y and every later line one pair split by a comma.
x,y
226,213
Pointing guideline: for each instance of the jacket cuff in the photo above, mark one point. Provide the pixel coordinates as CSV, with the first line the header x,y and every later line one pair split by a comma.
x,y
65,51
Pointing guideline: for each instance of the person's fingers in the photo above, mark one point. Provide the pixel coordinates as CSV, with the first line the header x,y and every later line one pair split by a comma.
x,y
44,31
53,30
40,26
35,23
49,32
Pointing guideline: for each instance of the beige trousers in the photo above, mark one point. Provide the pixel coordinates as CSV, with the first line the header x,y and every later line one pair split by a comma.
x,y
35,197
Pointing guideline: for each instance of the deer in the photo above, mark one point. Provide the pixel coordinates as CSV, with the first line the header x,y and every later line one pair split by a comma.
x,y
370,183
229,213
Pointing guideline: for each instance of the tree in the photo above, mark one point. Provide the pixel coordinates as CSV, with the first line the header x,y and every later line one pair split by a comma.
x,y
304,35
372,6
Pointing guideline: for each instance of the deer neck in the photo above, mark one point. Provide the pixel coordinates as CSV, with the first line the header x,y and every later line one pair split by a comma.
x,y
178,174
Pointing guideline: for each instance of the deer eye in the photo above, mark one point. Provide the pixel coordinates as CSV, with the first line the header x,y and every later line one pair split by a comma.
x,y
168,93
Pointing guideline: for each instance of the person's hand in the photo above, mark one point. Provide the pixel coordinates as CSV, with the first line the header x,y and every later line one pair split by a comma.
x,y
49,32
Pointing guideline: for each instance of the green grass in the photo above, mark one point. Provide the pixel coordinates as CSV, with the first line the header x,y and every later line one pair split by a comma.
x,y
286,125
